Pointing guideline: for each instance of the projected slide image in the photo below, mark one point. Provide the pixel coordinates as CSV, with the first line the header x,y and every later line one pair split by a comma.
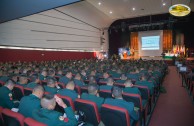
x,y
150,43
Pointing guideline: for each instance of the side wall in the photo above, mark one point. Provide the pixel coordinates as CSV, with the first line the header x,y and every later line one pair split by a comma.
x,y
34,55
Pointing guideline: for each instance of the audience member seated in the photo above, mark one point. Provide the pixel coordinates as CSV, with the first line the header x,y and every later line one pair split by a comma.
x,y
122,80
3,76
119,102
77,80
65,79
34,81
43,75
14,77
50,117
105,77
51,74
51,86
6,100
59,73
29,103
69,91
109,84
83,75
23,80
130,89
93,95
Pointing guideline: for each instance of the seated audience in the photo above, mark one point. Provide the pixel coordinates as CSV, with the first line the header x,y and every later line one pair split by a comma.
x,y
93,95
65,79
109,84
118,101
51,86
50,117
34,81
69,91
77,80
130,89
23,80
29,103
6,100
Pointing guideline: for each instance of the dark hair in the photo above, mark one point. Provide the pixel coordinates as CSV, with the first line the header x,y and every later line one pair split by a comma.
x,y
34,77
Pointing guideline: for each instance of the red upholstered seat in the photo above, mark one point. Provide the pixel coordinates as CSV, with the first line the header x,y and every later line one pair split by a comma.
x,y
27,91
114,116
67,100
105,93
78,89
90,110
12,118
137,100
32,122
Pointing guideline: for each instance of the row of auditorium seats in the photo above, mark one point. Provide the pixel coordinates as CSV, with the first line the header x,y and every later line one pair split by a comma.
x,y
110,115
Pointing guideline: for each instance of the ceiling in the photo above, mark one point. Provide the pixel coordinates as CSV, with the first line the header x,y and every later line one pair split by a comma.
x,y
124,8
13,9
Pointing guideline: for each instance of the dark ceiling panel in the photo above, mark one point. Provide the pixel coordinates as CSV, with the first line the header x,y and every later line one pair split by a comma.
x,y
13,9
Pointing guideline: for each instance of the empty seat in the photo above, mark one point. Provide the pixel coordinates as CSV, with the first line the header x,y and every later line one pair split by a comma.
x,y
32,122
18,92
11,118
114,116
90,110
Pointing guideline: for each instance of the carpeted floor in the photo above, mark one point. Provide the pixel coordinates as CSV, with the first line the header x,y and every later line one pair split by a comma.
x,y
174,108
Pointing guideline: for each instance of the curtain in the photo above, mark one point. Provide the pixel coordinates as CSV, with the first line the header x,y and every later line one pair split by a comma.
x,y
167,39
134,40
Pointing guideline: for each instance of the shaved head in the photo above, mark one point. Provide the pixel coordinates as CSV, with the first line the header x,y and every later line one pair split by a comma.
x,y
48,102
70,85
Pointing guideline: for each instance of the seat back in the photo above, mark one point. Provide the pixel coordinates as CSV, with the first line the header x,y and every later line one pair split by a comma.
x,y
18,92
78,89
27,91
144,91
68,101
1,118
114,116
90,110
135,98
11,118
61,85
119,85
105,93
32,122
84,90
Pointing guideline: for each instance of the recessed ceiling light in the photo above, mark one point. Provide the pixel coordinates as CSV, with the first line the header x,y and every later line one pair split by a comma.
x,y
99,3
133,8
164,4
110,12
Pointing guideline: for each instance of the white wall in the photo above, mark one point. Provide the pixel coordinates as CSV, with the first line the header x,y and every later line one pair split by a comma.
x,y
52,29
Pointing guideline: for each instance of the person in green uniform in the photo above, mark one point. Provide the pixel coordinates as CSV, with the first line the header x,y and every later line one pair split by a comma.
x,y
29,103
130,89
23,80
35,81
65,79
6,100
93,95
77,80
51,86
69,91
50,117
119,102
109,84
122,79
43,75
